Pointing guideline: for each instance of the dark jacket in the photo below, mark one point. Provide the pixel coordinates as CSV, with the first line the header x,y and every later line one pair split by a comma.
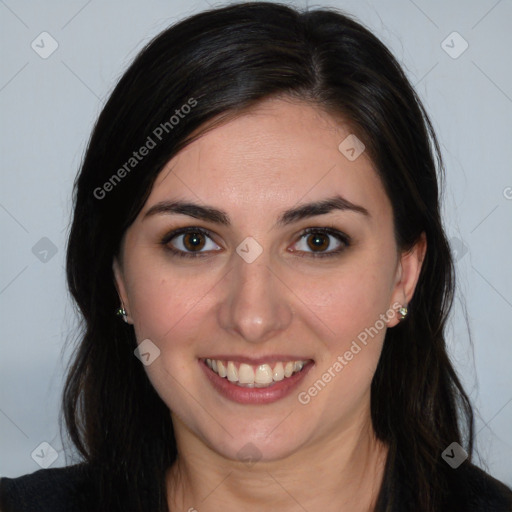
x,y
68,490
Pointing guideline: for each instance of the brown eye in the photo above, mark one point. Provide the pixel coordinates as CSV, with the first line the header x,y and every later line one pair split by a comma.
x,y
189,242
193,241
318,240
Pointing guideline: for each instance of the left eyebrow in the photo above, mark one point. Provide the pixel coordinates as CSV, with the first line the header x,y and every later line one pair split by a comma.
x,y
217,216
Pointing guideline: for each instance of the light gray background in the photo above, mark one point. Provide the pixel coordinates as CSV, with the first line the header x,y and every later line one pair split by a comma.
x,y
48,107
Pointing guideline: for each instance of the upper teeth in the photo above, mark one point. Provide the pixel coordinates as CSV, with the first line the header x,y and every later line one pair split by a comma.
x,y
258,376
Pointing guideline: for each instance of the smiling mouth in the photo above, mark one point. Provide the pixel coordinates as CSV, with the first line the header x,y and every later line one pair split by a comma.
x,y
255,376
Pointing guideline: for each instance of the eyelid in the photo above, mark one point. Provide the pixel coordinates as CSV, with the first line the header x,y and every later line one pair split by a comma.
x,y
327,230
183,231
342,237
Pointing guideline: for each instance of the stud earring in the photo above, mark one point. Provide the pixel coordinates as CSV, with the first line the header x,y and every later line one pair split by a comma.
x,y
122,312
402,313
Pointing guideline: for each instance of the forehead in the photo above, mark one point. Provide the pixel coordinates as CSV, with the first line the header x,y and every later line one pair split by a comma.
x,y
278,154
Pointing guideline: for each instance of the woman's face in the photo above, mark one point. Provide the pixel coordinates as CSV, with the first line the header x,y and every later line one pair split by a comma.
x,y
255,297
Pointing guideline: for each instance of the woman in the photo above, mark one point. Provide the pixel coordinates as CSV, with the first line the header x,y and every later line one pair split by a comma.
x,y
259,201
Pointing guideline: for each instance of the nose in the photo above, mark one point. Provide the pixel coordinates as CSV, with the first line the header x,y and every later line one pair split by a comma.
x,y
256,304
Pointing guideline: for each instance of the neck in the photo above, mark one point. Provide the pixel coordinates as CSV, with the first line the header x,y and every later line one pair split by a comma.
x,y
342,473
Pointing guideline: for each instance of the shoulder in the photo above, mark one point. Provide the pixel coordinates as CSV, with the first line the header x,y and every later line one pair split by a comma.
x,y
54,489
480,491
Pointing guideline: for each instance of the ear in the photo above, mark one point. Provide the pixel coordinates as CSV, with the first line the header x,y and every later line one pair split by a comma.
x,y
407,275
121,288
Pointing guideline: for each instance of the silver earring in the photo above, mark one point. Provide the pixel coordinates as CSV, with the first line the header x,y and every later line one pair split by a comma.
x,y
122,312
402,313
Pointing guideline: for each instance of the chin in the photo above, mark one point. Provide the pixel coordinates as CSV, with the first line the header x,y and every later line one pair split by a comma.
x,y
262,443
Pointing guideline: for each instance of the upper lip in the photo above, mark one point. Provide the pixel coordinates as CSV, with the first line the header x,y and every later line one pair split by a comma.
x,y
259,360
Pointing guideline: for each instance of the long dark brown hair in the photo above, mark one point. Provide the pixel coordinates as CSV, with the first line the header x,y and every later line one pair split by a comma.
x,y
227,60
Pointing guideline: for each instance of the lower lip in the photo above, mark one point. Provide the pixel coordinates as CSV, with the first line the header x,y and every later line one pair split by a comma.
x,y
244,395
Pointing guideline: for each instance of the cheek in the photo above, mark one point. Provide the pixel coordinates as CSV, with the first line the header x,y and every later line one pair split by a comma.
x,y
163,300
168,310
348,301
351,352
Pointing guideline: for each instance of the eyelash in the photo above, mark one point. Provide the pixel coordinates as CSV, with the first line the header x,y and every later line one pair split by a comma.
x,y
341,237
